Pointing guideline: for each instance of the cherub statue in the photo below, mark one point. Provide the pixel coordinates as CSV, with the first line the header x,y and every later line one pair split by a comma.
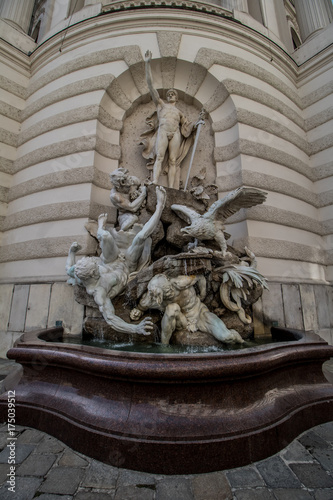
x,y
128,196
106,276
182,307
169,137
210,225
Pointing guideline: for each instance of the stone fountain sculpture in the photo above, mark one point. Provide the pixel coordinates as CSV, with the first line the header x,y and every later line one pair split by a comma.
x,y
184,287
183,309
196,289
156,277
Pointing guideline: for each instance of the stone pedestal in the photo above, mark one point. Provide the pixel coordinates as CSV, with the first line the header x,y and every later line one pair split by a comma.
x,y
313,15
18,12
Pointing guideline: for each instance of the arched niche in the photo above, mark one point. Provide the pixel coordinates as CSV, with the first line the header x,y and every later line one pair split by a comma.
x,y
127,103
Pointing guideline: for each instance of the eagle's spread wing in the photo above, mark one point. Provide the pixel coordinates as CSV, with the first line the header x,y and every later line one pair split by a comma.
x,y
185,213
239,198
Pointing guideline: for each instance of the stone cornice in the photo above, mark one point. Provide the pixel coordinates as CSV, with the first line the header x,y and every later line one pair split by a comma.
x,y
120,5
161,17
318,63
15,58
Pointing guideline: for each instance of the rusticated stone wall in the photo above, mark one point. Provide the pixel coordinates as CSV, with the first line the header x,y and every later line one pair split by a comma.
x,y
70,118
297,306
28,307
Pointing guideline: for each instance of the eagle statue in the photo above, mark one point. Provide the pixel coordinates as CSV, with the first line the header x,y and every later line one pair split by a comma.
x,y
210,225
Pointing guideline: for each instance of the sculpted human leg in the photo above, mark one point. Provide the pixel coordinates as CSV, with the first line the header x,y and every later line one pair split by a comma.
x,y
162,144
210,323
172,319
108,246
174,146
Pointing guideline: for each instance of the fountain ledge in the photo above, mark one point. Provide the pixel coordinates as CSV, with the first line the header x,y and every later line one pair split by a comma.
x,y
171,413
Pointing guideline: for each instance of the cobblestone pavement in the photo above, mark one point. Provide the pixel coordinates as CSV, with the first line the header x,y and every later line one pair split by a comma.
x,y
47,469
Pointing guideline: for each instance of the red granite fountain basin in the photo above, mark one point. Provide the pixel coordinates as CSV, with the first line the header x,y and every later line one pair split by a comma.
x,y
173,413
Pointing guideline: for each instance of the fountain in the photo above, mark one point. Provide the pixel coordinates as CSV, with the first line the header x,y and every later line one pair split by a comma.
x,y
157,280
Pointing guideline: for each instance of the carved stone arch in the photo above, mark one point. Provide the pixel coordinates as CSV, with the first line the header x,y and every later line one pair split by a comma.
x,y
127,103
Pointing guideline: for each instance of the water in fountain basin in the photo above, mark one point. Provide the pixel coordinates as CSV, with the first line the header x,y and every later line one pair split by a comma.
x,y
157,348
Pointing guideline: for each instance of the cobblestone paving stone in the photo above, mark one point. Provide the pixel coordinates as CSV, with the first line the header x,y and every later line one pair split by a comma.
x,y
47,469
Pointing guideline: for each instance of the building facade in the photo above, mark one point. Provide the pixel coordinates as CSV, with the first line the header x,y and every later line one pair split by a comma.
x,y
72,100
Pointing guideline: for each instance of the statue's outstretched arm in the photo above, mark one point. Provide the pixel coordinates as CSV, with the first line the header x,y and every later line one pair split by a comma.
x,y
153,92
106,308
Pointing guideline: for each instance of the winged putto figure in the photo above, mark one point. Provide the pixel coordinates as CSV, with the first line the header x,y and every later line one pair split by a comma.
x,y
210,225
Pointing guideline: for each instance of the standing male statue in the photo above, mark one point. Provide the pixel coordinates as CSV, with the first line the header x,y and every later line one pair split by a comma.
x,y
170,136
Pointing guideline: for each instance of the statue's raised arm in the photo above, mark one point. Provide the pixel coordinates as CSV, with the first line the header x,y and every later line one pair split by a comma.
x,y
169,137
153,92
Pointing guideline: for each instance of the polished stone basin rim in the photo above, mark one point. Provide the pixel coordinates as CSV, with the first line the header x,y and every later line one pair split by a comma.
x,y
168,367
172,413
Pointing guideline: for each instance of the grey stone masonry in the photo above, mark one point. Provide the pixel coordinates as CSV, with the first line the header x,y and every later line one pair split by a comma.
x,y
25,307
47,469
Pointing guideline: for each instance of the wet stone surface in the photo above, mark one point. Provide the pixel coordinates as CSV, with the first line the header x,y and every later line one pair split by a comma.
x,y
47,469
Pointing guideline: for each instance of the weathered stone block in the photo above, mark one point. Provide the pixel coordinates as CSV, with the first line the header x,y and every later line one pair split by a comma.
x,y
6,293
292,306
245,477
276,473
174,487
258,318
36,465
63,307
100,475
309,311
211,487
38,307
19,308
330,304
312,475
322,306
62,480
273,306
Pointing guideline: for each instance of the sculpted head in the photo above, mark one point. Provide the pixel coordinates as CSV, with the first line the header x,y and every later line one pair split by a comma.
x,y
120,178
159,287
172,95
86,268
